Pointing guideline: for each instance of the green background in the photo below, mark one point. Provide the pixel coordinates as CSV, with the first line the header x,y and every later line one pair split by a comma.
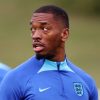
x,y
82,47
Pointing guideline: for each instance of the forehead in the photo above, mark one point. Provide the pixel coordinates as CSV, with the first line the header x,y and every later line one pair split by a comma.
x,y
42,17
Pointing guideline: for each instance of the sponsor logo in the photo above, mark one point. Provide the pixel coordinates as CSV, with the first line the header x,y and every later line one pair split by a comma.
x,y
43,89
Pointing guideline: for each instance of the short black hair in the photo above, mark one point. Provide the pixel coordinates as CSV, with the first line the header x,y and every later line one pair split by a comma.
x,y
58,13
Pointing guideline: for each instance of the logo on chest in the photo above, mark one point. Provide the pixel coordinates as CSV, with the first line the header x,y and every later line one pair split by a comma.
x,y
78,87
44,89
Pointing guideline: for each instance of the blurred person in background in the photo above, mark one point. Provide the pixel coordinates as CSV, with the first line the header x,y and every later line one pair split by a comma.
x,y
49,74
3,70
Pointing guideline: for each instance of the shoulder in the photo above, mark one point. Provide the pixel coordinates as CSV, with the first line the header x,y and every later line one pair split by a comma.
x,y
3,70
90,82
16,80
79,71
24,71
29,67
2,73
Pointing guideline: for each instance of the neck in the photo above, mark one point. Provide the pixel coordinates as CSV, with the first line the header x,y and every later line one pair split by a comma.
x,y
58,57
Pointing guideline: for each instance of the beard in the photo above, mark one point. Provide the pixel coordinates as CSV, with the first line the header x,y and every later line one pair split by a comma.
x,y
47,56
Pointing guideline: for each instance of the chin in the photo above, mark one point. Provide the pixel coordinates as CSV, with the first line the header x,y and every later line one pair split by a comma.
x,y
44,56
39,56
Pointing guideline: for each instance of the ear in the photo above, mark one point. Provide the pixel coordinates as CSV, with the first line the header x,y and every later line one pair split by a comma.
x,y
65,34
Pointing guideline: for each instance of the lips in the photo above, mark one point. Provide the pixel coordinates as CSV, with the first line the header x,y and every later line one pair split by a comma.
x,y
38,47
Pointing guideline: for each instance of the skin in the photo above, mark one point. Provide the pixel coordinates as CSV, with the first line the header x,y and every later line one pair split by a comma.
x,y
48,36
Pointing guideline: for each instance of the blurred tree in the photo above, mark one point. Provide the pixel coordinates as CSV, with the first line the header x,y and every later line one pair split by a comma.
x,y
96,6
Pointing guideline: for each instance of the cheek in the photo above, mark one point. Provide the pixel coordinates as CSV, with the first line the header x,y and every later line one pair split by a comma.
x,y
53,42
49,42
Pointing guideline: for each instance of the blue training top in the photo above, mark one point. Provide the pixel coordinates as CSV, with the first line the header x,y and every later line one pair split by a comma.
x,y
47,80
2,74
3,70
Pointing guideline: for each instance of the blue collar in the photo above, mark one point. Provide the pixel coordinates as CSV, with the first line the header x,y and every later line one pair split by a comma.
x,y
51,65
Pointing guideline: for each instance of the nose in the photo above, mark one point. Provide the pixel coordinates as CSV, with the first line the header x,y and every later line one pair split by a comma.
x,y
36,35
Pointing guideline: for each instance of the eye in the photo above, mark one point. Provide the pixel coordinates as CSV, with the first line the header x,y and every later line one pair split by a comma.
x,y
45,29
32,29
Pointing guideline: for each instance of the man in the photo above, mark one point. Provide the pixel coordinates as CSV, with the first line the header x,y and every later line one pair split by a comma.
x,y
48,75
3,70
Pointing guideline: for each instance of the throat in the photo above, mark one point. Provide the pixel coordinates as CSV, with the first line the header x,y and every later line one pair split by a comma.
x,y
52,57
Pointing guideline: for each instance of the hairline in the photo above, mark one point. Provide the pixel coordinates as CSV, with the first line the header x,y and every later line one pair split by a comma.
x,y
54,16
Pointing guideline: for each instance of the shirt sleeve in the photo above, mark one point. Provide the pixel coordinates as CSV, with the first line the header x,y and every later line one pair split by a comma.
x,y
9,89
94,92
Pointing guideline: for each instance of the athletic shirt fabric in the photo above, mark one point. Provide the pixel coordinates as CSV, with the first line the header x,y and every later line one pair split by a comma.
x,y
47,80
3,70
2,74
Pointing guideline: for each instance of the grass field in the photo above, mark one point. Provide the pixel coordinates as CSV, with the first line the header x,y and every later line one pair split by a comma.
x,y
83,46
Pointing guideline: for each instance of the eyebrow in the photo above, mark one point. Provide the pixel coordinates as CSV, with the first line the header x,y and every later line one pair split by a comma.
x,y
41,22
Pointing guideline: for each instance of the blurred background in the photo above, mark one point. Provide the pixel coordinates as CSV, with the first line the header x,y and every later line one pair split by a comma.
x,y
83,46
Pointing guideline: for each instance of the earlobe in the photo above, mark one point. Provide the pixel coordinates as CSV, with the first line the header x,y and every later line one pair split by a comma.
x,y
65,34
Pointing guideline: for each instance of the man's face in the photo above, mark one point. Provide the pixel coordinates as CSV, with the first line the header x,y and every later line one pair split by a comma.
x,y
46,34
